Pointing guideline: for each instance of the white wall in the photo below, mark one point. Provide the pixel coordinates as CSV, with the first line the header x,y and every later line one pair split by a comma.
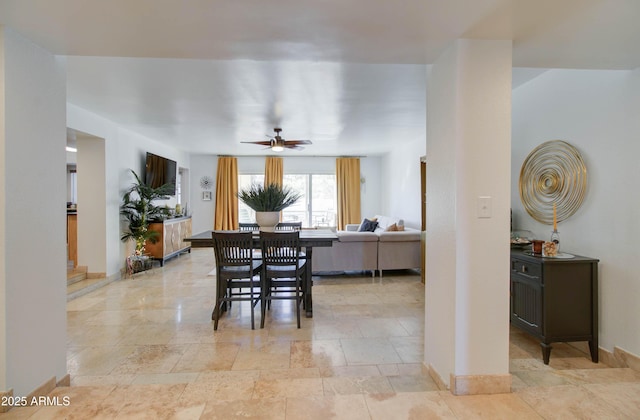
x,y
597,112
439,284
33,227
372,195
124,150
468,155
401,182
203,211
92,197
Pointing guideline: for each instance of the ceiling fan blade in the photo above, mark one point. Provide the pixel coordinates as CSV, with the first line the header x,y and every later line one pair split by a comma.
x,y
294,147
296,142
262,143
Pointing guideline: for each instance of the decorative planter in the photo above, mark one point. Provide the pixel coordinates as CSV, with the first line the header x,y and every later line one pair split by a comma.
x,y
138,263
267,220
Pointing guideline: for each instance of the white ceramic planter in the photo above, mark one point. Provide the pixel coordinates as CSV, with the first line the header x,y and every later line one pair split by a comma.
x,y
267,220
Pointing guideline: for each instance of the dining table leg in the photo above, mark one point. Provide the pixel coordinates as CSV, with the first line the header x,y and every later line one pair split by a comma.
x,y
308,297
220,291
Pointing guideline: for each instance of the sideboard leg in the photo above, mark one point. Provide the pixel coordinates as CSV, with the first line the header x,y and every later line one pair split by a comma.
x,y
546,352
593,349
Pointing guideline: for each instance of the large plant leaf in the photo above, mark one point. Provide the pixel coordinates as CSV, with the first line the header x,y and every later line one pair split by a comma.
x,y
268,198
138,210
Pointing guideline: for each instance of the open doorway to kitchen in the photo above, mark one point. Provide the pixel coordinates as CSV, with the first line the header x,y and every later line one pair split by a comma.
x,y
86,215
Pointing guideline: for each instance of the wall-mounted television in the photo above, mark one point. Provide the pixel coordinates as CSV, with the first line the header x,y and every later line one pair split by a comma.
x,y
159,171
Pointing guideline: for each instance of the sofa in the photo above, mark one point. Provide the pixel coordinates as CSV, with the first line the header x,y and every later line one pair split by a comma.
x,y
382,249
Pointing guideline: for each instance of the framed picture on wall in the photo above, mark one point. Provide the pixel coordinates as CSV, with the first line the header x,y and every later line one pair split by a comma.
x,y
206,195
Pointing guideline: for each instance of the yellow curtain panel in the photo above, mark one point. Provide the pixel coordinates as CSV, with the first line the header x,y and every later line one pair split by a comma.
x,y
348,186
273,171
226,217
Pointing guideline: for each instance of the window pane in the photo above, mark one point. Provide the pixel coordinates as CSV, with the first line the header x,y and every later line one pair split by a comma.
x,y
297,212
323,200
245,213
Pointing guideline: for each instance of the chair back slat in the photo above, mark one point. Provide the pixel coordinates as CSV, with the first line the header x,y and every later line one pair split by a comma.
x,y
289,226
248,227
233,248
280,248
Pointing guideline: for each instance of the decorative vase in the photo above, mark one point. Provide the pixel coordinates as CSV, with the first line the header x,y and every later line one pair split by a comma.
x,y
555,238
267,220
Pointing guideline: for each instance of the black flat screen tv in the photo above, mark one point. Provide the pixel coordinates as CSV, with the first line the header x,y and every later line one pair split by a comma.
x,y
160,171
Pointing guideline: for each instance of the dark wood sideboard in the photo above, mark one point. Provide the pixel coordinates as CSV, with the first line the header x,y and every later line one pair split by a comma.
x,y
555,299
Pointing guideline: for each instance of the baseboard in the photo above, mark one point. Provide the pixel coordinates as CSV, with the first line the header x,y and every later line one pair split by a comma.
x,y
64,382
472,384
3,396
437,378
43,389
480,384
619,358
95,286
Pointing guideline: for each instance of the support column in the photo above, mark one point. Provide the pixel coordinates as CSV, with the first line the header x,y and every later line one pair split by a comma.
x,y
33,217
468,201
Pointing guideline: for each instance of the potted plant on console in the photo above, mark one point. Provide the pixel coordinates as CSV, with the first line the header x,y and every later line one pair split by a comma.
x,y
138,210
268,201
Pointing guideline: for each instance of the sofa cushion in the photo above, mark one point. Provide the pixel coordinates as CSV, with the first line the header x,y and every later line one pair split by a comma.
x,y
402,236
368,225
349,236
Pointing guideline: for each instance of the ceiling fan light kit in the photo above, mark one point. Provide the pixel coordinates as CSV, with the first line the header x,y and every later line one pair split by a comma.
x,y
278,144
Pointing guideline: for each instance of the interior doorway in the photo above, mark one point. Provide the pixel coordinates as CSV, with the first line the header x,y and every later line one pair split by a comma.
x,y
183,190
86,215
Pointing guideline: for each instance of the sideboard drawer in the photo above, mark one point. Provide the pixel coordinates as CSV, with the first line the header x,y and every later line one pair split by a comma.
x,y
526,268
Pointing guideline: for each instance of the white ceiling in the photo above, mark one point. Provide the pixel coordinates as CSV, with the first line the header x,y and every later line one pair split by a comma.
x,y
205,75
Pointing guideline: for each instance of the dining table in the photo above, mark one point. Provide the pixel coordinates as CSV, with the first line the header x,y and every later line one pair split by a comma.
x,y
309,238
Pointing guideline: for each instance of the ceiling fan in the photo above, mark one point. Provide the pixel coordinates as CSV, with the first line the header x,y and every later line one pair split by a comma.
x,y
278,144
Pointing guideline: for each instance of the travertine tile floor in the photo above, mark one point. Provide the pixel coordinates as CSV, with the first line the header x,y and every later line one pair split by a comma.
x,y
144,347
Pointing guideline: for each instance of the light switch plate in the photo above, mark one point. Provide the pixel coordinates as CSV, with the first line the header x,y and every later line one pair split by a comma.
x,y
484,207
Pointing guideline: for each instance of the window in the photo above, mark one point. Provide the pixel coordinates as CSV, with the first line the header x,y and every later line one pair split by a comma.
x,y
316,208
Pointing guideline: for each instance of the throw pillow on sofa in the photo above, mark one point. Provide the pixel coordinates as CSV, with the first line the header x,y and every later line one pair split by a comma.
x,y
368,225
394,228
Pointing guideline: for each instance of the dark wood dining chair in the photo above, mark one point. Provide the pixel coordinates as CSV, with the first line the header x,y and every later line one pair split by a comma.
x,y
288,226
248,227
235,271
283,270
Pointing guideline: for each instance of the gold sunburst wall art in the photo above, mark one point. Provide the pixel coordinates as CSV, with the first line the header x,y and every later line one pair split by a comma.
x,y
553,173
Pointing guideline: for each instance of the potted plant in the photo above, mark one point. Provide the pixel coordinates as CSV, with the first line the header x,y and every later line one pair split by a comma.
x,y
268,201
138,209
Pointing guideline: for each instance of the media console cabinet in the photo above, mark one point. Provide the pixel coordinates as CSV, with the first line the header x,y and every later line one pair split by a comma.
x,y
555,299
171,240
